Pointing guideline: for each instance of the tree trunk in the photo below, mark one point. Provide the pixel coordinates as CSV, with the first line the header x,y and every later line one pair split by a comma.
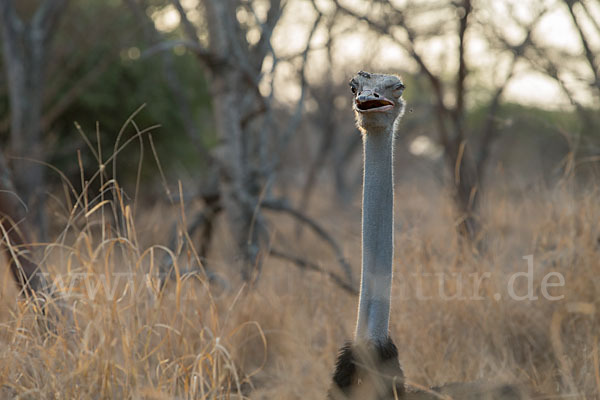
x,y
25,48
25,94
15,239
236,185
229,87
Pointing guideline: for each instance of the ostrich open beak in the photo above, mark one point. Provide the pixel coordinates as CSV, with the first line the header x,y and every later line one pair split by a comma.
x,y
369,101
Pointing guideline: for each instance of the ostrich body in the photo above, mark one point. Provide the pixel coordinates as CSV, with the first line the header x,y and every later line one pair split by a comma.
x,y
368,367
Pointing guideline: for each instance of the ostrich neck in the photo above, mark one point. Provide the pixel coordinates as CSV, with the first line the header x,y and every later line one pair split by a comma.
x,y
377,237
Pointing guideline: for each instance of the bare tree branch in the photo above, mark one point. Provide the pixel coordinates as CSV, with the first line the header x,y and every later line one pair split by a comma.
x,y
12,24
305,264
188,27
282,206
490,130
296,118
590,16
589,54
169,45
263,46
464,10
155,38
209,59
46,18
409,47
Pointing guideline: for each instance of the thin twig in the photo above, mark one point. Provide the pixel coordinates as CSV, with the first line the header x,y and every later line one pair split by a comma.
x,y
305,264
282,206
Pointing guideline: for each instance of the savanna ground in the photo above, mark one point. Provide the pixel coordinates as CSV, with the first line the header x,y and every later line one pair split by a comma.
x,y
110,332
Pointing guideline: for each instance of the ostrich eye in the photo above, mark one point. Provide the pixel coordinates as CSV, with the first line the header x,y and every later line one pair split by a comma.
x,y
400,86
353,85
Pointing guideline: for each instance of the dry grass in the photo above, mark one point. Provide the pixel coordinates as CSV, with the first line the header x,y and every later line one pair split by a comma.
x,y
278,339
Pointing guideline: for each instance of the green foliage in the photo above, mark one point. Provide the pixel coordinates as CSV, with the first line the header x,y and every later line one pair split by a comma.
x,y
124,87
106,39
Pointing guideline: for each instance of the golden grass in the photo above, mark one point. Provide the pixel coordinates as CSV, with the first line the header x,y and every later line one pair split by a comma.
x,y
118,336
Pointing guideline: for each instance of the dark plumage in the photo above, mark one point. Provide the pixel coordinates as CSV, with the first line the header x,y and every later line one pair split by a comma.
x,y
371,371
367,371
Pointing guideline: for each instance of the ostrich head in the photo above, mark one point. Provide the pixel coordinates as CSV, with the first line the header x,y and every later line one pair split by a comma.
x,y
378,102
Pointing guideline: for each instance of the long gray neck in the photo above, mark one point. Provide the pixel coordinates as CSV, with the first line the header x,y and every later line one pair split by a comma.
x,y
377,237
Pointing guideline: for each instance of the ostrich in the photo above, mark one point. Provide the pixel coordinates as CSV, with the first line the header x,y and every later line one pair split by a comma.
x,y
368,367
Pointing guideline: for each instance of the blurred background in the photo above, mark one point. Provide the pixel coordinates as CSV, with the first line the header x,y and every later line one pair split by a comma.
x,y
255,93
223,130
